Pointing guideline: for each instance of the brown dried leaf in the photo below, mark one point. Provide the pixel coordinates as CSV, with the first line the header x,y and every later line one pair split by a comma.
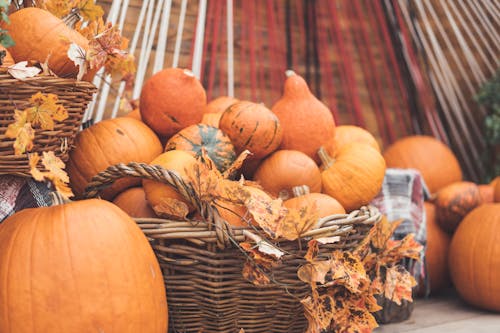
x,y
348,270
398,284
90,11
59,8
266,212
319,311
171,208
314,272
236,165
255,274
24,139
312,250
296,222
382,232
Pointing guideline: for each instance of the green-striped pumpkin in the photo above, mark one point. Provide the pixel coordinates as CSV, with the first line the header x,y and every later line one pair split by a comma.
x,y
195,137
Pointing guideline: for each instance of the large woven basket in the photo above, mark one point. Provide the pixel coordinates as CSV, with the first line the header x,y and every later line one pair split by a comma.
x,y
202,267
14,94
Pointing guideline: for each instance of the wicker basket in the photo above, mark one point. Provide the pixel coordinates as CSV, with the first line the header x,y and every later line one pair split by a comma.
x,y
14,94
202,267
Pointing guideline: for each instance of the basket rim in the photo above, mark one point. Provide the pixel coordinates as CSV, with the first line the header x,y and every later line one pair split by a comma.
x,y
7,80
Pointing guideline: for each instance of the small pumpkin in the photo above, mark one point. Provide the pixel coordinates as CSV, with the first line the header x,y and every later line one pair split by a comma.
x,y
171,100
307,123
325,205
220,104
76,267
353,175
176,160
433,159
211,119
194,138
135,113
347,134
474,257
487,193
106,143
252,126
279,173
7,59
133,202
37,34
454,201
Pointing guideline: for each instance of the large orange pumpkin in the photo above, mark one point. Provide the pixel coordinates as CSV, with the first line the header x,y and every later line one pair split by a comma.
x,y
133,202
436,252
497,189
454,201
353,175
252,126
37,34
307,123
175,160
432,158
109,142
347,134
7,59
194,138
79,267
285,169
474,257
171,100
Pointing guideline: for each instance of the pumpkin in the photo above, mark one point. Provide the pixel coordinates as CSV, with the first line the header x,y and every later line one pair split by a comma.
x,y
211,119
349,133
454,201
436,251
353,175
220,104
176,160
135,113
487,193
495,181
307,123
106,143
7,59
37,34
76,267
285,169
133,202
171,100
324,204
433,159
194,138
474,257
497,190
252,126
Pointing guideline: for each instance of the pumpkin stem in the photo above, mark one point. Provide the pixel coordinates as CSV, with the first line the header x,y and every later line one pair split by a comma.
x,y
72,18
326,159
289,73
189,73
300,190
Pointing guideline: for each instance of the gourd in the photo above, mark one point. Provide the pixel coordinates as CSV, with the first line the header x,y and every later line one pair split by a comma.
x,y
220,104
487,193
345,134
324,204
133,202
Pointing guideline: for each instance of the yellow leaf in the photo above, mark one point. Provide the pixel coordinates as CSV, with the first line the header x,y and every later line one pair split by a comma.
x,y
40,117
61,187
55,166
24,140
20,119
59,8
398,284
33,162
383,231
266,212
60,113
296,222
90,11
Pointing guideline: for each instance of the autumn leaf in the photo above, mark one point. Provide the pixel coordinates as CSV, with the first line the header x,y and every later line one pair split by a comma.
x,y
319,311
171,208
90,11
59,8
45,110
296,222
33,163
20,119
55,173
24,139
348,271
382,232
266,212
22,71
398,284
312,250
55,166
314,272
236,165
92,29
254,274
78,55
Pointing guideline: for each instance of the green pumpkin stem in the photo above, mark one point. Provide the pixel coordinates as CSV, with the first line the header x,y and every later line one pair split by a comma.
x,y
300,190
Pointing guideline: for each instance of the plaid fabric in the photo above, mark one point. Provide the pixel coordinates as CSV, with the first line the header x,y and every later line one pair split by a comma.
x,y
18,193
402,197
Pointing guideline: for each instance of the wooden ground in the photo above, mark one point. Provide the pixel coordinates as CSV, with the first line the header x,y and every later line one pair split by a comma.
x,y
445,314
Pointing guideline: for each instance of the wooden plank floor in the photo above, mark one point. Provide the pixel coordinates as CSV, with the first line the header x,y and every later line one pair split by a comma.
x,y
445,314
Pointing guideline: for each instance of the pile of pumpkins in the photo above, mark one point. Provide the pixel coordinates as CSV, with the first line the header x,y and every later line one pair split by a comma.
x,y
463,221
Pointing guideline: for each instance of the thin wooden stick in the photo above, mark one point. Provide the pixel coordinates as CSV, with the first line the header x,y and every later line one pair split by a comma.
x,y
162,37
178,38
483,19
200,32
230,49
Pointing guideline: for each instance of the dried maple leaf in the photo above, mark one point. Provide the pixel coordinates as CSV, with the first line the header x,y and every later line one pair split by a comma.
x,y
319,311
312,250
348,270
33,163
171,208
259,264
45,110
266,212
78,55
90,11
55,173
59,8
254,274
24,139
55,166
22,71
398,284
382,232
20,119
314,272
296,222
92,29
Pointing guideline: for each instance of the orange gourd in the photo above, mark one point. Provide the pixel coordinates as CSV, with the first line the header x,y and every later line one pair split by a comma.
x,y
176,160
432,158
106,143
307,123
171,100
454,201
347,134
436,252
133,202
220,104
497,190
7,59
285,169
474,257
211,119
37,34
353,175
324,204
79,267
253,127
487,193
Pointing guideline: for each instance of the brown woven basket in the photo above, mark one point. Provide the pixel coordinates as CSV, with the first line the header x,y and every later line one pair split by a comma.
x,y
202,266
14,94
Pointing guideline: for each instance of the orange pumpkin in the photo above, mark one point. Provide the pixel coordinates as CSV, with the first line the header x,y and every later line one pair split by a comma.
x,y
487,193
252,126
432,158
176,160
353,175
220,104
37,34
171,100
194,138
324,204
436,252
133,202
454,201
211,119
86,266
7,59
285,169
497,190
109,142
474,257
307,123
135,113
347,134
